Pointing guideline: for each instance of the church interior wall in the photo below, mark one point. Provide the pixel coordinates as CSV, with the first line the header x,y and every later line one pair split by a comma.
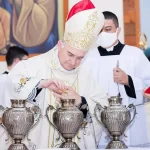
x,y
112,5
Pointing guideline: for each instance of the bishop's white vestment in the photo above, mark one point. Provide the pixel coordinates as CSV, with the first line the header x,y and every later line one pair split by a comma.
x,y
47,66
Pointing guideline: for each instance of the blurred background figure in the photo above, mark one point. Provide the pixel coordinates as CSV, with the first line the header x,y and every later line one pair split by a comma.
x,y
143,45
14,55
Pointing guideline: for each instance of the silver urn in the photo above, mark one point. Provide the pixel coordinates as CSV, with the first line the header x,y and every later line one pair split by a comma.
x,y
67,121
18,120
115,120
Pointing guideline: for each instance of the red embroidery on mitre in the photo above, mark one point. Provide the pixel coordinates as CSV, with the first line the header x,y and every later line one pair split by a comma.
x,y
80,6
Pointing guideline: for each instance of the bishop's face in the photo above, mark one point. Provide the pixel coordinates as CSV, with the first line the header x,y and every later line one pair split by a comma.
x,y
70,58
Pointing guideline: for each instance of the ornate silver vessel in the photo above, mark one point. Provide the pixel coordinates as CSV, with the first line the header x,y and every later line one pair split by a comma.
x,y
115,120
18,120
67,121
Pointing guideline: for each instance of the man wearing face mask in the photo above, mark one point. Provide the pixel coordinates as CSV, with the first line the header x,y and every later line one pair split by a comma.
x,y
121,70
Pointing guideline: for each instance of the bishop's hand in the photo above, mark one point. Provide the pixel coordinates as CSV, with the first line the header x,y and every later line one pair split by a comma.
x,y
120,76
69,93
54,85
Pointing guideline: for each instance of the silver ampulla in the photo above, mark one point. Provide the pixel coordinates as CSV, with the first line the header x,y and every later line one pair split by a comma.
x,y
67,121
18,121
115,120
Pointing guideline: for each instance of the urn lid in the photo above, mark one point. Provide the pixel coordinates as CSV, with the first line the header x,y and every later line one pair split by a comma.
x,y
18,103
115,100
67,102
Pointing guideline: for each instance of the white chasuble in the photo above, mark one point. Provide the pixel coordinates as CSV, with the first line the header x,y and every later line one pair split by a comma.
x,y
47,66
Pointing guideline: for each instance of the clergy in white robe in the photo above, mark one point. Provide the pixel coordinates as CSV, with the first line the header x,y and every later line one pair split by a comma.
x,y
121,69
60,67
14,55
3,78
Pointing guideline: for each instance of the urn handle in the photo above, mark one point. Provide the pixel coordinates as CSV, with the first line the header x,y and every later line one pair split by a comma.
x,y
99,108
50,108
37,115
132,106
1,121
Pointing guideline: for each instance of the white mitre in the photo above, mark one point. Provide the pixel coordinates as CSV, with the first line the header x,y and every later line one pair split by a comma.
x,y
83,24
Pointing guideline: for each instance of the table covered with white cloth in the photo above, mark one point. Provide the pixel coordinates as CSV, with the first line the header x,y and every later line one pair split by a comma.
x,y
133,148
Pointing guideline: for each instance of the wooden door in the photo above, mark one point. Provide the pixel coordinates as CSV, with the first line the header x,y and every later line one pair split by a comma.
x,y
131,22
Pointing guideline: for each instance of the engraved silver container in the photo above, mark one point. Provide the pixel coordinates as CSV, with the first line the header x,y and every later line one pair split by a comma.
x,y
18,120
67,121
115,120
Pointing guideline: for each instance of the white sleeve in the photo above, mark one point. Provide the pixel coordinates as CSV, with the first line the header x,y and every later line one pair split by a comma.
x,y
21,82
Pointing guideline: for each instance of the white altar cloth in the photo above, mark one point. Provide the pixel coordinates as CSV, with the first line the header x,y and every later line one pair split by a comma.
x,y
133,148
